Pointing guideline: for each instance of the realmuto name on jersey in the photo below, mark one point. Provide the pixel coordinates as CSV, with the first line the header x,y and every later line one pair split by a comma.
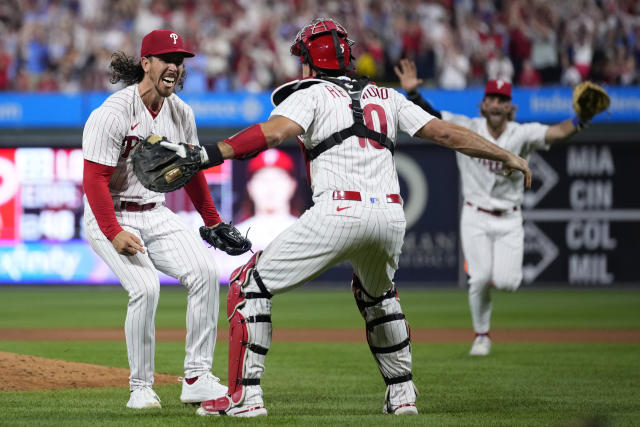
x,y
492,165
370,92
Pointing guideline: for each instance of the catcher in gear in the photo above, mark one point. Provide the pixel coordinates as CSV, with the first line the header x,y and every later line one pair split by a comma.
x,y
491,227
357,214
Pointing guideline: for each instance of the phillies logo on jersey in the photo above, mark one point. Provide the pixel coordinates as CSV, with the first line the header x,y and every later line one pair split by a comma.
x,y
129,143
492,165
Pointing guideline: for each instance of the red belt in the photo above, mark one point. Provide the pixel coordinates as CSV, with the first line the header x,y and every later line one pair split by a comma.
x,y
136,207
355,195
494,212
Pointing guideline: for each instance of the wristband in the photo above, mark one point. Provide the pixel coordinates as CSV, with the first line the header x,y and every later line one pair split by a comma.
x,y
211,156
578,124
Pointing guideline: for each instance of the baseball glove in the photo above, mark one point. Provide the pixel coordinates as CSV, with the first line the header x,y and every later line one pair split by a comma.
x,y
589,99
226,238
161,169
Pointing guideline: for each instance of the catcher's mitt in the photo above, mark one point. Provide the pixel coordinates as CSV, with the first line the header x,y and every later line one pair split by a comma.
x,y
226,238
161,169
589,99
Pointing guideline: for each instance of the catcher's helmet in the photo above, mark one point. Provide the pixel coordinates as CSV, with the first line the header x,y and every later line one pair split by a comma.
x,y
324,45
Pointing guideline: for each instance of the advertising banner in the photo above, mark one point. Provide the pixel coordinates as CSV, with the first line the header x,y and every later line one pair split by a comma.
x,y
582,217
240,109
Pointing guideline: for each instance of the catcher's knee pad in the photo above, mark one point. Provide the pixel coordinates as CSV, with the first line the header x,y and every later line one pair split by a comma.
x,y
249,314
388,332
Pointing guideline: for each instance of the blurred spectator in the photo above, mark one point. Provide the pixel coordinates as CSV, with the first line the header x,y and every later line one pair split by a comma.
x,y
244,44
519,43
47,82
544,47
5,63
499,67
571,76
455,66
529,76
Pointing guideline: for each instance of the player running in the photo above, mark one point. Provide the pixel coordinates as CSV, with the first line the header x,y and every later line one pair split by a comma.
x,y
134,233
347,127
491,227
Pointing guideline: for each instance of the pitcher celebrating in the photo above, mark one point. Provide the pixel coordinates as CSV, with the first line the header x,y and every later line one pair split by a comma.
x,y
131,229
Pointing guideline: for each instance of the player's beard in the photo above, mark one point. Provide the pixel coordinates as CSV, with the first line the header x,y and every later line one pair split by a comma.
x,y
163,84
496,117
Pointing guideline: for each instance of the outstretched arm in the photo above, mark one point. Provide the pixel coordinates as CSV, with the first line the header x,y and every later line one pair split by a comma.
x,y
253,140
467,142
561,131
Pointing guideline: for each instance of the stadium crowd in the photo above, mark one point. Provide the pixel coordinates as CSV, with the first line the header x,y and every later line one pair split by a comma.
x,y
66,45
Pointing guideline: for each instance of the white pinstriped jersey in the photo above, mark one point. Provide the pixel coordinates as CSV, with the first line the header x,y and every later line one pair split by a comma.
x,y
356,164
114,129
483,181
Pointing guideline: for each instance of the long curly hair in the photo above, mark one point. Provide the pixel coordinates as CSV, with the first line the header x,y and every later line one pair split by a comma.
x,y
125,68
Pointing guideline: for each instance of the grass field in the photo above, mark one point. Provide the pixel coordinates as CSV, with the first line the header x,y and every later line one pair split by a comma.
x,y
338,383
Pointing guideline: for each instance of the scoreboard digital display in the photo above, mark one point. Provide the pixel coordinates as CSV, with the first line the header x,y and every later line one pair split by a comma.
x,y
41,216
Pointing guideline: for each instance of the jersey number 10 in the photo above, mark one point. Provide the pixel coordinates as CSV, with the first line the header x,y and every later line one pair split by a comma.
x,y
368,121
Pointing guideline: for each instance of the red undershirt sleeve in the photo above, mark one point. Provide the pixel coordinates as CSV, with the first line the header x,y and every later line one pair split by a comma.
x,y
95,180
198,191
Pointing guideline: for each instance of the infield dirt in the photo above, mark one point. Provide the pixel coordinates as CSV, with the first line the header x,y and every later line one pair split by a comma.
x,y
24,373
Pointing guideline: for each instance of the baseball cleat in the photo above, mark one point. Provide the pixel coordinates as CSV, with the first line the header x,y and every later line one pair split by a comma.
x,y
236,411
400,399
481,346
143,398
403,409
206,387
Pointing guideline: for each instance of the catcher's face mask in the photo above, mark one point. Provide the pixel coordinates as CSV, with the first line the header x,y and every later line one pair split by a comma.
x,y
324,45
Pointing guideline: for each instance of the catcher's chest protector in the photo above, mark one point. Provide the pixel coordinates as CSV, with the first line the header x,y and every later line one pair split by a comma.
x,y
354,89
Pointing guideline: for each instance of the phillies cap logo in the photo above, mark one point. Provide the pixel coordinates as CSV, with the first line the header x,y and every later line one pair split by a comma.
x,y
499,83
159,42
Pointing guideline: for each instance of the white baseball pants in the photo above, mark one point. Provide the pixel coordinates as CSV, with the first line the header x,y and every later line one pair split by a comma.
x,y
173,248
493,249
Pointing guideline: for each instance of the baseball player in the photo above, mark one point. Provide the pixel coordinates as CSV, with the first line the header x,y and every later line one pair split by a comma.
x,y
132,230
348,128
491,227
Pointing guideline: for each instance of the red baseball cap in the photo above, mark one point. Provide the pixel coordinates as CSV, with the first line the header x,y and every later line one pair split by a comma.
x,y
498,87
158,42
271,158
